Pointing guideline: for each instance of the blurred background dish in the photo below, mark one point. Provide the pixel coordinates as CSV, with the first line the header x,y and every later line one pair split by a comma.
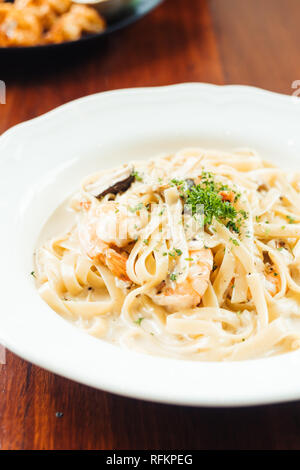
x,y
93,20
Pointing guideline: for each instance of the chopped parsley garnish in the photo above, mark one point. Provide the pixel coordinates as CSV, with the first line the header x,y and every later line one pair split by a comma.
x,y
173,277
137,176
146,241
290,219
33,273
139,321
174,252
139,207
181,186
232,226
234,241
176,182
208,193
188,259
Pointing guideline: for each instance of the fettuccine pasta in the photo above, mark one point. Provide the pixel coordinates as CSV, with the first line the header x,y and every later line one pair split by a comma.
x,y
193,255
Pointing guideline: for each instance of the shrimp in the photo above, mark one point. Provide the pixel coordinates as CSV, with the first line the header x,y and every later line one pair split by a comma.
x,y
100,239
18,27
189,293
78,20
31,22
45,10
59,6
40,9
114,259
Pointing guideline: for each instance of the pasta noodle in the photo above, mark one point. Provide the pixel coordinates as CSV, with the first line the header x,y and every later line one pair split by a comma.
x,y
193,255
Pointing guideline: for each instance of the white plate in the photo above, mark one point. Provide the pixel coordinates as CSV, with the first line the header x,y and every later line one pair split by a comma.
x,y
43,160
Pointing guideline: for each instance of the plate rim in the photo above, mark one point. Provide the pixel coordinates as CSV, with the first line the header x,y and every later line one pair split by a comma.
x,y
209,89
225,90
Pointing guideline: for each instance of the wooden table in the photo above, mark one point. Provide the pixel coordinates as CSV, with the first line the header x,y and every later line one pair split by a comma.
x,y
253,42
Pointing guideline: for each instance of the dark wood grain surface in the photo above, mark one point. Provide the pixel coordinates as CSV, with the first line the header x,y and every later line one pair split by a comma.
x,y
253,42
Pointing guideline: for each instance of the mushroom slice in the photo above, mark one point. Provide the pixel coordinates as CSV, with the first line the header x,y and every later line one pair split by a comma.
x,y
113,182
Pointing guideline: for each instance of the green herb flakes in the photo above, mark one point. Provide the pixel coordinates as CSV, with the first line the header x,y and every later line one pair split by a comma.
x,y
137,176
208,194
290,219
234,241
139,207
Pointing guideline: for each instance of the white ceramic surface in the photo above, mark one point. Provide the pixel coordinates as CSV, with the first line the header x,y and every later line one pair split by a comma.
x,y
43,160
